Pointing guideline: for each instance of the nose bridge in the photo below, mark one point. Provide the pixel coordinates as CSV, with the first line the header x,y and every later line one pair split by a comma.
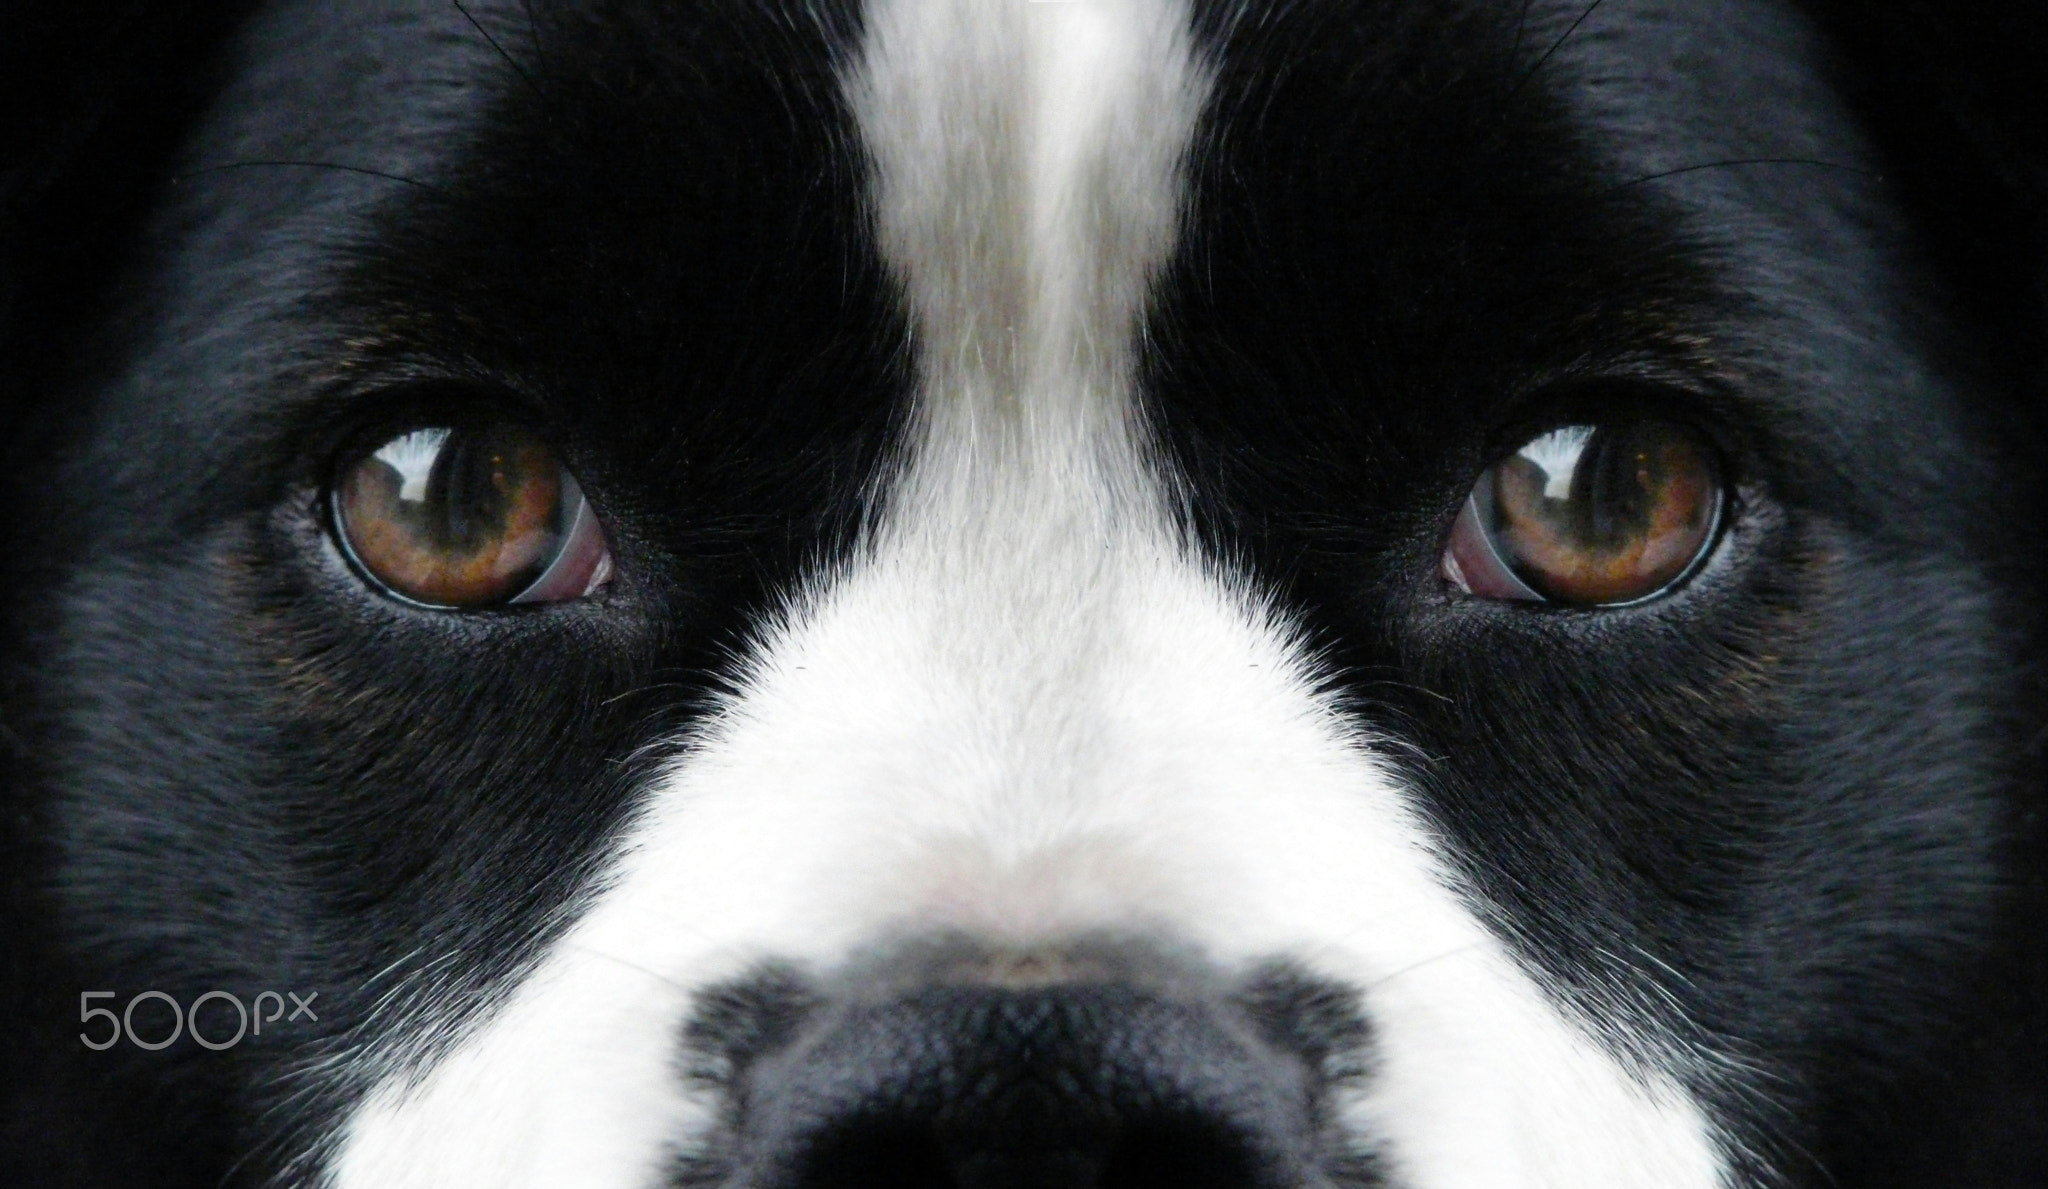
x,y
1026,173
1026,165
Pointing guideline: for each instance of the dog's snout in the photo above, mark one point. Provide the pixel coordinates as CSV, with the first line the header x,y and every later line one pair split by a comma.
x,y
1080,1086
980,1088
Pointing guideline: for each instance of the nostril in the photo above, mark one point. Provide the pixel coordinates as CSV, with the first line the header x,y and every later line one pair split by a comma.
x,y
1177,1154
875,1154
1167,1153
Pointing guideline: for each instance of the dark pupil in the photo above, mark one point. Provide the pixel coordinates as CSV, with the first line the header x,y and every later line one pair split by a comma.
x,y
470,491
1613,490
1610,484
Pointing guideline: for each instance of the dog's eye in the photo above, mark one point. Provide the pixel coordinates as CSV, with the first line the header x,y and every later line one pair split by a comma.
x,y
470,517
1589,515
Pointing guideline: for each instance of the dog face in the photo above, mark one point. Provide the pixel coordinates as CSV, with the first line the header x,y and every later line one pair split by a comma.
x,y
1007,594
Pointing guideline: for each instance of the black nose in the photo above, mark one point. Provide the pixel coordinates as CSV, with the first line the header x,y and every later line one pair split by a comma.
x,y
1085,1086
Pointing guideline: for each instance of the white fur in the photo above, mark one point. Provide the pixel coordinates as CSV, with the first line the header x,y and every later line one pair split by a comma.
x,y
1028,711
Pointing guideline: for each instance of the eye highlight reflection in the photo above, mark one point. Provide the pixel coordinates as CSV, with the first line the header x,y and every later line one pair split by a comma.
x,y
461,518
1589,516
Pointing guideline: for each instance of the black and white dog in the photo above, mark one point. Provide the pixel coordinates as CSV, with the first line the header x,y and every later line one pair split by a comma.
x,y
827,594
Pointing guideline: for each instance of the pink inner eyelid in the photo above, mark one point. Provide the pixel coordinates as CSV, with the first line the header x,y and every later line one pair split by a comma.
x,y
584,563
1473,565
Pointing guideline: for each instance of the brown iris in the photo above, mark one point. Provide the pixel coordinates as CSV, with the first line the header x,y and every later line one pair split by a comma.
x,y
470,517
1591,515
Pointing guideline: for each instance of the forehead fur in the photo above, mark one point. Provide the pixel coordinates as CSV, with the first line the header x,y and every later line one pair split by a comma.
x,y
1026,712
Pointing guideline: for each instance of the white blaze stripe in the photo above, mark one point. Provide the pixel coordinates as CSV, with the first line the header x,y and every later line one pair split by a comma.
x,y
1027,711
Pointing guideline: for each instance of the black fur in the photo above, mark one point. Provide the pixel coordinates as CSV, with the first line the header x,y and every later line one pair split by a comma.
x,y
650,244
1790,786
1805,791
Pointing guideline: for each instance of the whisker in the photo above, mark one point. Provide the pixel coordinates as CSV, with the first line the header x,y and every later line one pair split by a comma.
x,y
284,162
532,27
651,687
1554,47
1412,967
509,60
1521,29
1812,161
598,953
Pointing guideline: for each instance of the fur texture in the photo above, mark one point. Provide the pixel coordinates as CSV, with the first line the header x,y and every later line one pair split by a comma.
x,y
1026,434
